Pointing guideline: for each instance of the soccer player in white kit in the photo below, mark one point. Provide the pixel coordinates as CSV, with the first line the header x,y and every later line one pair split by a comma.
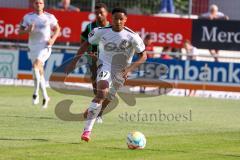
x,y
39,25
117,45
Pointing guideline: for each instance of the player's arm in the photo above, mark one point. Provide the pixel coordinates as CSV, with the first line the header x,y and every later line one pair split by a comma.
x,y
24,30
142,57
56,30
83,48
72,65
84,37
25,27
93,38
140,49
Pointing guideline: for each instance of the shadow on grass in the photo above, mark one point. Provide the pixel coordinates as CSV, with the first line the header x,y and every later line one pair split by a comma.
x,y
22,139
75,143
229,155
147,149
28,117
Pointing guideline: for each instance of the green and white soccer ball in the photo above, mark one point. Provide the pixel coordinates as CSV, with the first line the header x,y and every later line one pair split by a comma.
x,y
136,140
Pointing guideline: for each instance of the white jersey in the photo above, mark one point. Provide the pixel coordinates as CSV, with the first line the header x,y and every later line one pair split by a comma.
x,y
43,24
116,48
208,14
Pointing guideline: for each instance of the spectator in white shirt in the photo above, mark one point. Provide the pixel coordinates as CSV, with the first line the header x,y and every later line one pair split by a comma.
x,y
214,14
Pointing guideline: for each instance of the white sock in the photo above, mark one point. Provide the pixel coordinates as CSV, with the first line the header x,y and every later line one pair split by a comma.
x,y
93,111
43,87
36,79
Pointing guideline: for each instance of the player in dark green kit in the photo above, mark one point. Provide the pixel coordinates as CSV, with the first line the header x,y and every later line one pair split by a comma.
x,y
101,21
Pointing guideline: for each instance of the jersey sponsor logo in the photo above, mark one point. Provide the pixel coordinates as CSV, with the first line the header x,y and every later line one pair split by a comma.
x,y
123,46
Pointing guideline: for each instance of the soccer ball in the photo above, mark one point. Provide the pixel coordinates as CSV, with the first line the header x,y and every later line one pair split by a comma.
x,y
136,140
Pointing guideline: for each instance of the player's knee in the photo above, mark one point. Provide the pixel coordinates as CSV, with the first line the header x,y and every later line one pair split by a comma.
x,y
37,64
101,95
102,91
102,84
41,72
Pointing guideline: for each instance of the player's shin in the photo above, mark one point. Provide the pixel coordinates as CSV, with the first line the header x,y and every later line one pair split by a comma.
x,y
36,78
104,105
93,111
43,87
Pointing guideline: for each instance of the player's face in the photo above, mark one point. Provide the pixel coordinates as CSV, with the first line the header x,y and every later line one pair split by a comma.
x,y
118,21
38,5
101,14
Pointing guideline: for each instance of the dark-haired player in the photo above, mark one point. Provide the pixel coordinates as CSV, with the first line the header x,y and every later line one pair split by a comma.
x,y
101,13
117,45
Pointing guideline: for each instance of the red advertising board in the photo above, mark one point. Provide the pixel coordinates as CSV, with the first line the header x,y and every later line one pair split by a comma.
x,y
70,22
165,31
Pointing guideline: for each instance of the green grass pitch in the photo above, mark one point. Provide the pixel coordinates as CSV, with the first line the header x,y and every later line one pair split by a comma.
x,y
207,129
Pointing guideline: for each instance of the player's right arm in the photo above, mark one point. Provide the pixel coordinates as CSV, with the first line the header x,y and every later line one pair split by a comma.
x,y
25,27
84,35
93,38
72,65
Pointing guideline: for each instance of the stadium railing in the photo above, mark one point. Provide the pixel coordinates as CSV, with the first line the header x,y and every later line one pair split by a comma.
x,y
224,56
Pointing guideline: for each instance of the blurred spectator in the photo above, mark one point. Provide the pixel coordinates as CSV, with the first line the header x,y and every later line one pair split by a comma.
x,y
65,5
149,46
190,50
177,53
191,55
214,14
167,6
165,52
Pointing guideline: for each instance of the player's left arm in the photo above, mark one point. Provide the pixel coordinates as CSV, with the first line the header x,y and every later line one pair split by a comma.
x,y
56,30
141,59
140,50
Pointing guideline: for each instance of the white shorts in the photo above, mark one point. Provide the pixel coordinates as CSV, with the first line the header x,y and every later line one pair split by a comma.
x,y
104,73
41,52
114,78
